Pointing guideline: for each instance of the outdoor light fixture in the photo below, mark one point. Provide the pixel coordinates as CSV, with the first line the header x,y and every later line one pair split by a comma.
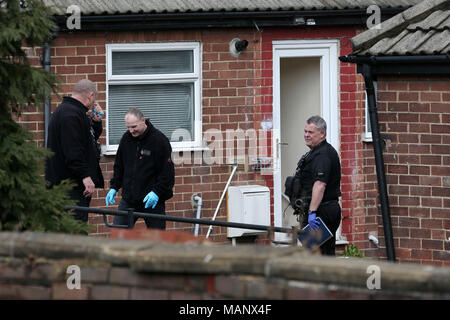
x,y
237,46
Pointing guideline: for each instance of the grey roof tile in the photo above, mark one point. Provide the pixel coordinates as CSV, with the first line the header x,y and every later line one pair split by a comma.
x,y
419,30
438,43
433,21
89,7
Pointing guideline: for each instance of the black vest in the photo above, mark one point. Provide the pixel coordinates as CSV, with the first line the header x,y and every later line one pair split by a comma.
x,y
321,163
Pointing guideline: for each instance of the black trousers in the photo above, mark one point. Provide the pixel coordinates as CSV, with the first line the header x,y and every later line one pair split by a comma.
x,y
82,201
330,213
140,207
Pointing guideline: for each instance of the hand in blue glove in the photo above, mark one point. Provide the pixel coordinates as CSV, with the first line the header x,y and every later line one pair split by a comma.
x,y
98,111
110,197
98,114
312,221
151,200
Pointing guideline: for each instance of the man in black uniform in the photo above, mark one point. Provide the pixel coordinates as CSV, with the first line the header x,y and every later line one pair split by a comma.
x,y
144,169
74,128
320,172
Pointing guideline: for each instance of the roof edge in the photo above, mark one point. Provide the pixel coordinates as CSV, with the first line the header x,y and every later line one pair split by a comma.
x,y
227,19
351,58
438,65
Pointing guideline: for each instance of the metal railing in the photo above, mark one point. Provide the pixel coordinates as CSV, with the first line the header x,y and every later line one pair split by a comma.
x,y
131,214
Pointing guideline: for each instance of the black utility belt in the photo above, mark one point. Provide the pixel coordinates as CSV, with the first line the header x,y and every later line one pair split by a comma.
x,y
325,203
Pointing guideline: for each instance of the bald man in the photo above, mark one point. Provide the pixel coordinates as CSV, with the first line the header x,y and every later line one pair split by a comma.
x,y
74,128
143,168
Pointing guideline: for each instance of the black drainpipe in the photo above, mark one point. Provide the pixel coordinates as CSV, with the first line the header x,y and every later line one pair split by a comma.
x,y
379,162
46,63
47,105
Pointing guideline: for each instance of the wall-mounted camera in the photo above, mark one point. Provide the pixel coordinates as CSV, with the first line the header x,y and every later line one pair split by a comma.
x,y
237,46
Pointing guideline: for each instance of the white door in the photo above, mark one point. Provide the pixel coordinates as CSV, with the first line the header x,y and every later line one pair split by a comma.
x,y
304,84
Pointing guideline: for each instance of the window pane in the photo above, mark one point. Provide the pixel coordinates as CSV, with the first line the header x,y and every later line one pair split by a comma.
x,y
152,62
168,106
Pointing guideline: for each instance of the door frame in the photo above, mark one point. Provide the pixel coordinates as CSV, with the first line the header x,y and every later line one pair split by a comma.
x,y
327,51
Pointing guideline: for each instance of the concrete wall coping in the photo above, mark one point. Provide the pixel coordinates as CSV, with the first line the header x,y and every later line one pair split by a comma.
x,y
291,263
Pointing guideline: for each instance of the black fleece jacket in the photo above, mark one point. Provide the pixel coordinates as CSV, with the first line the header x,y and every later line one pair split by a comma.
x,y
75,151
144,164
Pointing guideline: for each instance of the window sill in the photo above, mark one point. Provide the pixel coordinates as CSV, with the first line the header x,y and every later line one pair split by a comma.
x,y
366,137
106,152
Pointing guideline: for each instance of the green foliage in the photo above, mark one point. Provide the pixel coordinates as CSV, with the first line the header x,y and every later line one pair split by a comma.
x,y
25,202
31,26
353,251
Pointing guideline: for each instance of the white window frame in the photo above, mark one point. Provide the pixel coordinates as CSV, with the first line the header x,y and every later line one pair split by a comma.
x,y
367,134
193,77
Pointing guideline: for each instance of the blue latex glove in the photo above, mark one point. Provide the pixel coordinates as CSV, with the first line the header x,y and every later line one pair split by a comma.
x,y
110,197
151,200
98,114
312,221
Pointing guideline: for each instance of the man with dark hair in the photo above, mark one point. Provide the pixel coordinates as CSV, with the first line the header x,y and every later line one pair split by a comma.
x,y
143,168
320,176
74,128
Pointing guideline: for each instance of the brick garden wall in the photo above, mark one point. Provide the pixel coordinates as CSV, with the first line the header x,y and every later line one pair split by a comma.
x,y
36,266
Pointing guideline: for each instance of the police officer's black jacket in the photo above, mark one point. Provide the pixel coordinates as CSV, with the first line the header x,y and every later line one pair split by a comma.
x,y
322,163
75,150
144,164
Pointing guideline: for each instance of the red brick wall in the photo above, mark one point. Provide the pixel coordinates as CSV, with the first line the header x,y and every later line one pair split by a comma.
x,y
414,114
229,101
359,180
32,117
236,94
